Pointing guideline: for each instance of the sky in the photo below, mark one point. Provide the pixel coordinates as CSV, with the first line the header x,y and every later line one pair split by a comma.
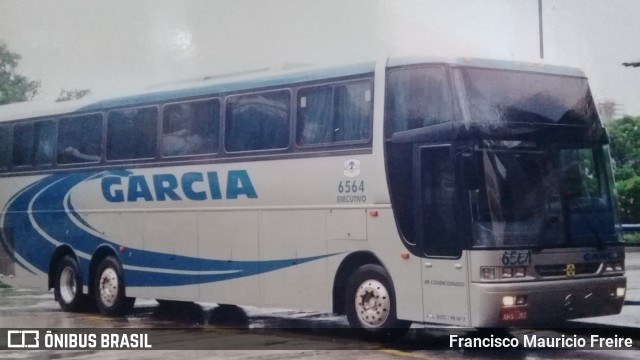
x,y
120,46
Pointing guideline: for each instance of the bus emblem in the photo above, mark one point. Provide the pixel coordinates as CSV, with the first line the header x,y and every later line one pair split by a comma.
x,y
571,270
352,168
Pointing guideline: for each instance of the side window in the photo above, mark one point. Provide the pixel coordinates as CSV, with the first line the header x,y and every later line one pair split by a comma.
x,y
80,139
132,133
417,97
438,202
191,128
4,147
315,116
330,114
352,112
33,144
257,121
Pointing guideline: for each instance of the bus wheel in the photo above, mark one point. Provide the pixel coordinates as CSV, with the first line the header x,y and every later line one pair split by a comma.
x,y
109,290
370,304
68,285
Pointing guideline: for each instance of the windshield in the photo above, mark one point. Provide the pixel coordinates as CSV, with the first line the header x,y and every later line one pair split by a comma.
x,y
490,95
522,194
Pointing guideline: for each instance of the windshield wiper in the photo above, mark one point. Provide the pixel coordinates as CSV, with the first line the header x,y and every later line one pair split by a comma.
x,y
547,221
601,243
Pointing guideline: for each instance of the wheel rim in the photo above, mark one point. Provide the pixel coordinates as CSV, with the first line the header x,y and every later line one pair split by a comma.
x,y
108,287
68,285
373,303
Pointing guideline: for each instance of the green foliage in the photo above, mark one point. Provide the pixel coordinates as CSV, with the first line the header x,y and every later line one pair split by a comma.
x,y
14,87
624,134
66,95
632,237
629,199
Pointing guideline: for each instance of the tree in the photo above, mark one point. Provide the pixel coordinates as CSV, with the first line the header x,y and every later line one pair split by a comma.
x,y
624,134
66,95
13,86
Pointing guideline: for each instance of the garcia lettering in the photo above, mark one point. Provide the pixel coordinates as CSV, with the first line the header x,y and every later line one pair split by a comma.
x,y
190,186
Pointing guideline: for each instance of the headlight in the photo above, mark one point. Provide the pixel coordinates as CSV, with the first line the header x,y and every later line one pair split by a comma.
x,y
488,273
502,272
613,266
620,291
508,300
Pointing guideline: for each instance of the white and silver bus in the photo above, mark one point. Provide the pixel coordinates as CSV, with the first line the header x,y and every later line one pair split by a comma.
x,y
463,192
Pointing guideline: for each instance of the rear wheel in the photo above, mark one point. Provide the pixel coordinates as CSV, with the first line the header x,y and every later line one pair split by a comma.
x,y
370,304
68,285
109,289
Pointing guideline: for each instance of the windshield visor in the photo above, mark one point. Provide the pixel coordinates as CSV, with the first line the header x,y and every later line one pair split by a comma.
x,y
510,96
542,197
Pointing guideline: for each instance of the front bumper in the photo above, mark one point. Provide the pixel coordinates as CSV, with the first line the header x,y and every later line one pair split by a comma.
x,y
548,302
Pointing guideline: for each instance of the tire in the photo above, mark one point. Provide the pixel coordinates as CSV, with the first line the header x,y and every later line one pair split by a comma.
x,y
172,303
68,285
109,289
370,305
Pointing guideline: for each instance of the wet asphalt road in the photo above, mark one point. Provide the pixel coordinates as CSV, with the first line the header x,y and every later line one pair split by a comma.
x,y
231,332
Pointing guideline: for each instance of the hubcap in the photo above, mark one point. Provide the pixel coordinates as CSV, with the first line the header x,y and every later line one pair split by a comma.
x,y
68,286
108,286
372,303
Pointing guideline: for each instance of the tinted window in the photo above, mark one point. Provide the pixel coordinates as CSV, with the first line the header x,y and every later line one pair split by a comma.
x,y
439,202
330,114
132,133
498,95
315,116
33,144
80,139
352,111
4,147
191,128
257,121
417,98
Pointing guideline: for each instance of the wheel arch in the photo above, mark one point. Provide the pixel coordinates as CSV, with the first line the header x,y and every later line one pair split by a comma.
x,y
348,265
59,254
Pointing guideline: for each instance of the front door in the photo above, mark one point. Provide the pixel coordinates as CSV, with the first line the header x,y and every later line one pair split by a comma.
x,y
445,281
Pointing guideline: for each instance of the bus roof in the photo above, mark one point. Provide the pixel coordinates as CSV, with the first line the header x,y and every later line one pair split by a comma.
x,y
255,79
32,109
234,83
489,64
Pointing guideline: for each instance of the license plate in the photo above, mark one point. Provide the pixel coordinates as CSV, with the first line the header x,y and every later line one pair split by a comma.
x,y
513,314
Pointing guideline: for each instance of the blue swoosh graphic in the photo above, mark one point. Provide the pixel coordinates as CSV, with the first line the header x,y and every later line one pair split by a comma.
x,y
40,224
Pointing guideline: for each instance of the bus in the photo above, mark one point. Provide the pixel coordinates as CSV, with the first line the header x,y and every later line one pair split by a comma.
x,y
465,192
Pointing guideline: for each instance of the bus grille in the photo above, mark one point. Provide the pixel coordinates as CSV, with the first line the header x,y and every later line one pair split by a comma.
x,y
561,269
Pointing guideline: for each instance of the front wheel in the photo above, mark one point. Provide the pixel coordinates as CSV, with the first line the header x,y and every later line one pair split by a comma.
x,y
371,305
68,285
109,289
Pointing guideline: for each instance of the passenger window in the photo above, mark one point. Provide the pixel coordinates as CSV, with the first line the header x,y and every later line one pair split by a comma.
x,y
132,133
352,112
33,144
330,114
4,147
80,139
315,120
257,121
191,128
